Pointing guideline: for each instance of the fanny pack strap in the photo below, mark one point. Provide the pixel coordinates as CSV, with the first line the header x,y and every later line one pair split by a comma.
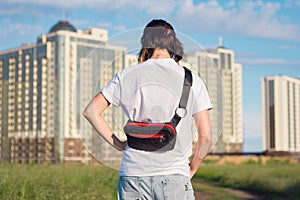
x,y
181,109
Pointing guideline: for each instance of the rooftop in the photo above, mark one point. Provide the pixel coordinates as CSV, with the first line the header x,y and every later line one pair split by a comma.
x,y
62,25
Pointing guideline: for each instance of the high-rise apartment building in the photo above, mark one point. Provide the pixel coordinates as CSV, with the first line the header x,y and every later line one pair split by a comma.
x,y
223,78
281,114
44,88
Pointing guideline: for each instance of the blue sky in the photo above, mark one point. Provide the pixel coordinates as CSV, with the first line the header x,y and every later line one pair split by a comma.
x,y
265,35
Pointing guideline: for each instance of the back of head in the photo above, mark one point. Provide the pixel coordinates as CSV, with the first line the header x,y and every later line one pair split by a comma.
x,y
159,34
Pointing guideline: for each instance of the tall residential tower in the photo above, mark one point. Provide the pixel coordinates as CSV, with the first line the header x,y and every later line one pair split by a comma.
x,y
224,81
44,88
281,114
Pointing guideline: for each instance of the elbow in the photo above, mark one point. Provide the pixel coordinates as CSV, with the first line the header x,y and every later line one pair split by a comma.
x,y
86,113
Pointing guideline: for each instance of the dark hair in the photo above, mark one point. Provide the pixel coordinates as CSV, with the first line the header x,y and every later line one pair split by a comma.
x,y
159,34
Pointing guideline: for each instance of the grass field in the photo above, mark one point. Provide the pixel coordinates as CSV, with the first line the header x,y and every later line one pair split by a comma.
x,y
39,182
277,179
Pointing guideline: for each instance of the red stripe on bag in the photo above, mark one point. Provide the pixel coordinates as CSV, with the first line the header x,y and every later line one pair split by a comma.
x,y
148,124
146,135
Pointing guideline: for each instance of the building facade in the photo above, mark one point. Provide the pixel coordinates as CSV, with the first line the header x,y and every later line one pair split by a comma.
x,y
223,78
44,88
281,114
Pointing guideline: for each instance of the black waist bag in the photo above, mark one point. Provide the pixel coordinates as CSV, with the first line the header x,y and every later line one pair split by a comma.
x,y
150,136
158,136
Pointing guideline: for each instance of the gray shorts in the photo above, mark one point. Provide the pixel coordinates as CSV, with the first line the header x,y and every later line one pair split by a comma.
x,y
172,187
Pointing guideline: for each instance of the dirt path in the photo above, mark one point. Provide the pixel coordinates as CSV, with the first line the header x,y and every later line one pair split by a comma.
x,y
241,194
245,195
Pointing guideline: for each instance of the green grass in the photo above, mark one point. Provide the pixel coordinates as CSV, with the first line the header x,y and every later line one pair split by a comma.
x,y
276,179
57,182
39,182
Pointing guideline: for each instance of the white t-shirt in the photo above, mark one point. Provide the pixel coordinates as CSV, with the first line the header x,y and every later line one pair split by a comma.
x,y
150,92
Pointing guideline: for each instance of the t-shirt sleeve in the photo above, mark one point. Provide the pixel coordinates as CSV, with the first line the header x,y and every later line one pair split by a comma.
x,y
202,99
111,91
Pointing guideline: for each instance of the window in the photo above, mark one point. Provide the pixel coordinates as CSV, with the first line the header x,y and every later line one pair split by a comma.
x,y
222,60
272,114
229,61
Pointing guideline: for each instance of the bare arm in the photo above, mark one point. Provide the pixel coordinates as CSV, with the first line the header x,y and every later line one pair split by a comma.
x,y
93,113
203,144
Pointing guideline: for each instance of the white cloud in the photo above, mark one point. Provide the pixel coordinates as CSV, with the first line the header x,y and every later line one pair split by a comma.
x,y
125,6
230,3
105,24
20,11
111,26
15,34
119,28
11,11
65,4
154,8
19,29
80,22
251,18
292,3
289,47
